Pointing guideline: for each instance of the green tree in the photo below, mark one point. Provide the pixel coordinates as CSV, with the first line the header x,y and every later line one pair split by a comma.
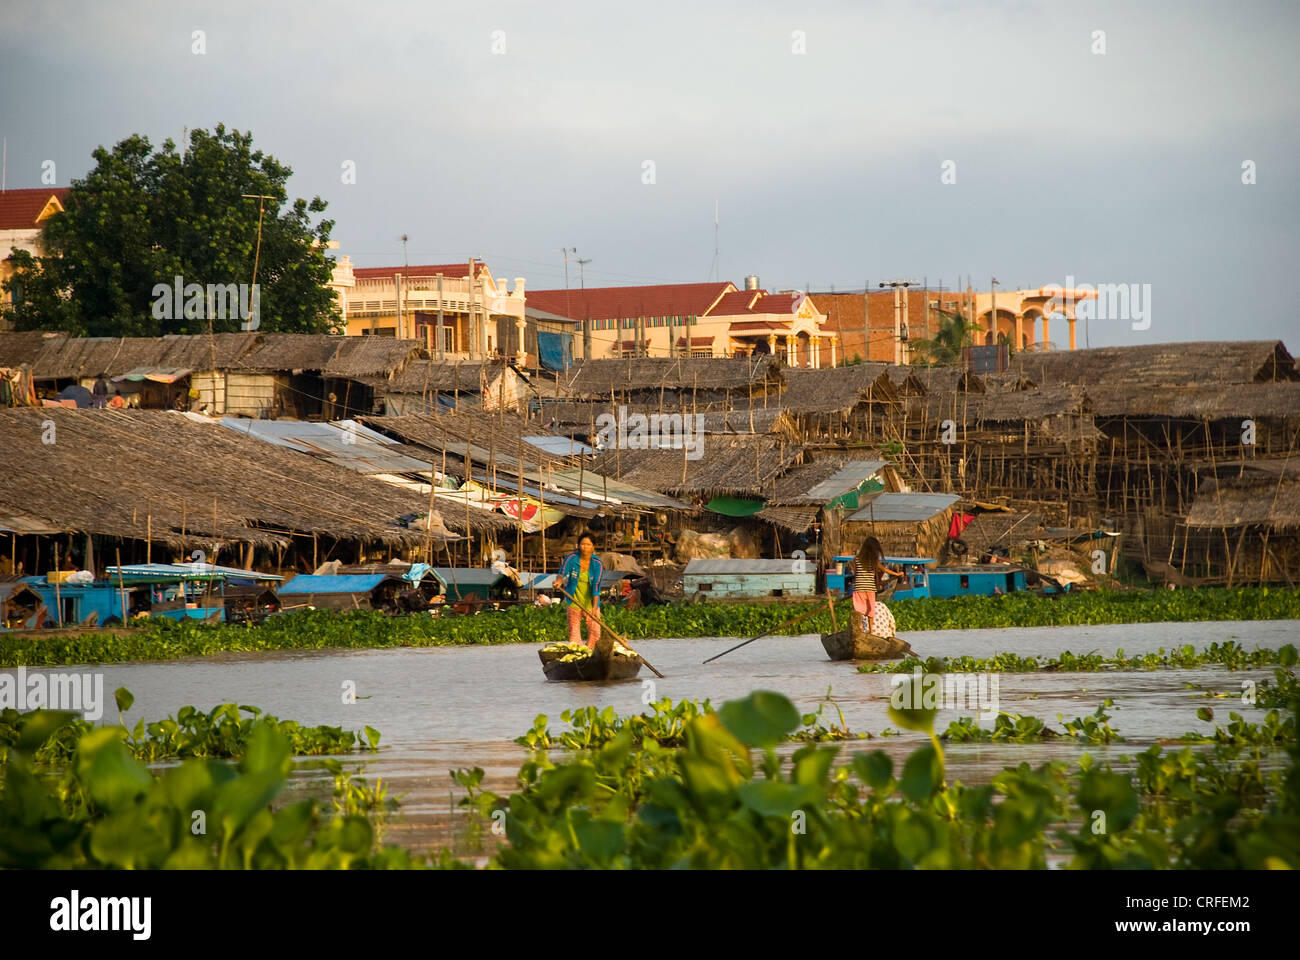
x,y
141,218
954,333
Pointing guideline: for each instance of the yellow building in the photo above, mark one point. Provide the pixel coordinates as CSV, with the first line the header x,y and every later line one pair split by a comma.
x,y
22,214
476,319
713,319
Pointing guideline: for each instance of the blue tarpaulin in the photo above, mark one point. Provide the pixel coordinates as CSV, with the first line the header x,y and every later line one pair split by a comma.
x,y
554,351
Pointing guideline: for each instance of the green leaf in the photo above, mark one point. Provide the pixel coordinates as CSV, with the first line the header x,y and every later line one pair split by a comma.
x,y
760,719
1205,713
124,699
907,705
922,774
875,769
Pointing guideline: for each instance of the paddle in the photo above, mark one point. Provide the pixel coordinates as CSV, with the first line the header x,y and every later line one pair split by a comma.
x,y
621,639
803,616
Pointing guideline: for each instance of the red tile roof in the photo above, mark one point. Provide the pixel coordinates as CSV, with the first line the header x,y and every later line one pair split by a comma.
x,y
751,325
20,208
736,303
617,303
449,270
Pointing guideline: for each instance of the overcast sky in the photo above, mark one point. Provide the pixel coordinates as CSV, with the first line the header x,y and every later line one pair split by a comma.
x,y
826,165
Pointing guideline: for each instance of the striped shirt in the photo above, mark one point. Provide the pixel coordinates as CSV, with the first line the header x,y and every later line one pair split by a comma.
x,y
863,579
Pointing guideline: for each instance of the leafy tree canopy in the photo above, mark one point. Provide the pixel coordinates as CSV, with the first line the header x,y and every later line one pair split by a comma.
x,y
141,218
944,348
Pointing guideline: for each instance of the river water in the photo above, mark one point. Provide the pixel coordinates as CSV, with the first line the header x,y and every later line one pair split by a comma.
x,y
442,708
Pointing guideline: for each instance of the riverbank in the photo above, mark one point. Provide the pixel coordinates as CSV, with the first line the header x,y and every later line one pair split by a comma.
x,y
317,630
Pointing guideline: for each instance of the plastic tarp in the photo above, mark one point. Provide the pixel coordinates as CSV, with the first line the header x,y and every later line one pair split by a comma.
x,y
735,506
553,350
850,499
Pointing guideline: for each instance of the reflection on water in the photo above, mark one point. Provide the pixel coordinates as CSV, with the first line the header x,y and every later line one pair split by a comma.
x,y
450,707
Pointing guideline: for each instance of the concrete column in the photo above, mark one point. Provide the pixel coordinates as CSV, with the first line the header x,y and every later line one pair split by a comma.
x,y
1019,332
1047,336
1072,320
832,352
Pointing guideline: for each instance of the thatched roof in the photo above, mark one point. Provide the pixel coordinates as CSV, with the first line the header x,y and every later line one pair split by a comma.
x,y
482,434
1205,401
836,390
290,351
64,358
1003,406
947,380
1162,364
728,466
372,356
421,376
1269,503
109,471
17,349
903,377
597,378
796,486
794,519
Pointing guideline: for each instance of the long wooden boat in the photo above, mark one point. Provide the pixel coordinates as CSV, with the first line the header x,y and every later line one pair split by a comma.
x,y
599,666
865,646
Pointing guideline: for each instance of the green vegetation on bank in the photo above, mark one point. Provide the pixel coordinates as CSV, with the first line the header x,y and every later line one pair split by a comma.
x,y
1229,654
313,630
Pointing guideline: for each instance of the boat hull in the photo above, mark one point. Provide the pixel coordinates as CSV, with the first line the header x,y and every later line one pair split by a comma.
x,y
593,668
865,646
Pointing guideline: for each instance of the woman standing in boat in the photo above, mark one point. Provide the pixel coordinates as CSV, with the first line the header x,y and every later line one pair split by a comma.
x,y
869,573
580,579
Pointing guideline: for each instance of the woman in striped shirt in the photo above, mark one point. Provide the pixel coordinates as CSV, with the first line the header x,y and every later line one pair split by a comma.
x,y
869,573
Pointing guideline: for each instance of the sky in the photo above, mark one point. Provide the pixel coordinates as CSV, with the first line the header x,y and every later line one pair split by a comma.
x,y
821,132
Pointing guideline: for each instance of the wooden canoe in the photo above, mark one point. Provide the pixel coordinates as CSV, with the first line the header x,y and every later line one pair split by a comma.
x,y
595,667
865,646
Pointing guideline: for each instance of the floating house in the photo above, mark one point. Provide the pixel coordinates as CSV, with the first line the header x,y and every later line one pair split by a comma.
x,y
356,591
464,583
749,579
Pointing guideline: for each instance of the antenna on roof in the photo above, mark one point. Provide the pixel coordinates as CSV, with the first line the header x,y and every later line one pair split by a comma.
x,y
4,164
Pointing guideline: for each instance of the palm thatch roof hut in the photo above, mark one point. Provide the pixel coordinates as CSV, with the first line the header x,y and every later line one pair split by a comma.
x,y
675,379
1162,364
175,479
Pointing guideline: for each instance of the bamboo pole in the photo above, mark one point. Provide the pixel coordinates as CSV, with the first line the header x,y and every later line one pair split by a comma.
x,y
58,599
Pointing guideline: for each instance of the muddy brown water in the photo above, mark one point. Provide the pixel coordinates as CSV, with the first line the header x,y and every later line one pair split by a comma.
x,y
443,708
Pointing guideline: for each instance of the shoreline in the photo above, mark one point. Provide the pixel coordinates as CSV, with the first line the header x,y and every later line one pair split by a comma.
x,y
165,640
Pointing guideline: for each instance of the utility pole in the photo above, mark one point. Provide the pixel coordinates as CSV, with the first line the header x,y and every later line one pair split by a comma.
x,y
993,310
900,310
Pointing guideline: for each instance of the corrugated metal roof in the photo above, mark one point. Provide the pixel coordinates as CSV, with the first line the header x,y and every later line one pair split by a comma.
x,y
849,477
186,571
559,446
596,485
468,576
536,581
904,507
338,583
346,444
732,565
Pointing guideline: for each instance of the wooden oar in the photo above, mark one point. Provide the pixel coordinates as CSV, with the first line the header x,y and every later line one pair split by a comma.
x,y
618,637
788,623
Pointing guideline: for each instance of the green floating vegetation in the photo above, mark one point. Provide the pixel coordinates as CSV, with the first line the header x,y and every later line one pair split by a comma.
x,y
1229,654
109,811
221,732
163,639
718,797
712,803
1014,728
